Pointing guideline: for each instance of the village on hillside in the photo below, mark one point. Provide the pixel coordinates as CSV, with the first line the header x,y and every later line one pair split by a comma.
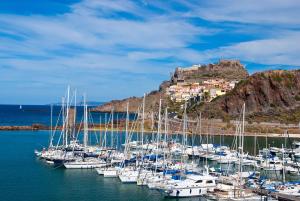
x,y
200,90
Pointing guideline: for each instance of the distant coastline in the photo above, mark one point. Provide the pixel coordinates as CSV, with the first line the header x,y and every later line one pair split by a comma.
x,y
102,128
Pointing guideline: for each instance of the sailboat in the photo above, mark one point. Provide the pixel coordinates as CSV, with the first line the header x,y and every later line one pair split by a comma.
x,y
85,162
231,187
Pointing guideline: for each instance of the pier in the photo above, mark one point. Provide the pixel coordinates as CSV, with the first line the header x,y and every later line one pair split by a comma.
x,y
279,196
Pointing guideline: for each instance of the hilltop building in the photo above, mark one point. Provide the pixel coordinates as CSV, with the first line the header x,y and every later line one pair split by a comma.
x,y
205,91
205,82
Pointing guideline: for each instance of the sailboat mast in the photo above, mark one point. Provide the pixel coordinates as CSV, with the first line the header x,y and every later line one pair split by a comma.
x,y
166,132
100,132
200,127
158,134
67,116
241,149
85,120
51,130
126,129
75,111
166,124
152,126
112,128
283,165
143,121
184,135
63,120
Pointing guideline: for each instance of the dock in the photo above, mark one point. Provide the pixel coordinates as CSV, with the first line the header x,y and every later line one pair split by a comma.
x,y
279,196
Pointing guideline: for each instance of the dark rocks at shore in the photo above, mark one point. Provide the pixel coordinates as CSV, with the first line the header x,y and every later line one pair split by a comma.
x,y
32,127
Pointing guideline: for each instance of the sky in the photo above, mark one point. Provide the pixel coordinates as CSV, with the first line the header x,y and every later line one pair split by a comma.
x,y
113,49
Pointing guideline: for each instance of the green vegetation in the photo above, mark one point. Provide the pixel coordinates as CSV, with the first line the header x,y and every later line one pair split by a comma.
x,y
263,75
206,96
277,77
284,77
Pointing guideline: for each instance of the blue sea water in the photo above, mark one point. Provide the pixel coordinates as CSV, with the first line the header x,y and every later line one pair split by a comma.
x,y
13,115
25,178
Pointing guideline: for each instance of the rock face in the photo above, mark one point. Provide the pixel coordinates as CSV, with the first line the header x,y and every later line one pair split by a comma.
x,y
225,69
264,93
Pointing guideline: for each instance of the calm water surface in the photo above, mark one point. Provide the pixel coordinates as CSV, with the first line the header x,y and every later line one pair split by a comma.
x,y
25,178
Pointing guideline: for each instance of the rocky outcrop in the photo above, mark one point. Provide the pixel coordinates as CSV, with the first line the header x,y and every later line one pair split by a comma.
x,y
271,93
225,69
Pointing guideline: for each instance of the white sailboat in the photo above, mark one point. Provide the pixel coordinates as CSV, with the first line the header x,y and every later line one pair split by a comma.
x,y
85,162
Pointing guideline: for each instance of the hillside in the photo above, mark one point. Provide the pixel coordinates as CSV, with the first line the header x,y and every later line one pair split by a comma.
x,y
270,95
152,102
226,69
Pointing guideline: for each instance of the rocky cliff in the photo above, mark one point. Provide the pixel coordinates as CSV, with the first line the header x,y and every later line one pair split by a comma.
x,y
269,95
225,69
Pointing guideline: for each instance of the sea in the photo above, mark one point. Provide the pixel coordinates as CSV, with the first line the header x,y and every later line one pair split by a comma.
x,y
23,177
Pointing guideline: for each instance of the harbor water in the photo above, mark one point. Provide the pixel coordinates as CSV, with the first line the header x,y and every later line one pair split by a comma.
x,y
26,178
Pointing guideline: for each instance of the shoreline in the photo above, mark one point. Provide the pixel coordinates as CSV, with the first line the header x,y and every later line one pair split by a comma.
x,y
47,128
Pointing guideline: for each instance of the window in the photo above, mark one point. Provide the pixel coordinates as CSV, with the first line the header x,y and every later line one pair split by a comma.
x,y
199,181
209,182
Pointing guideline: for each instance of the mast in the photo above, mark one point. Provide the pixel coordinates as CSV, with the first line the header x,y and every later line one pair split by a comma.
x,y
143,120
206,163
85,123
126,128
112,128
67,116
200,125
152,125
241,149
51,130
63,120
75,111
283,165
105,132
184,136
100,132
117,130
166,132
255,145
158,134
166,124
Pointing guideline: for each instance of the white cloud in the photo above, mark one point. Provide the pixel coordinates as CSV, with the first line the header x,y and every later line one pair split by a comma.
x,y
272,12
282,50
95,38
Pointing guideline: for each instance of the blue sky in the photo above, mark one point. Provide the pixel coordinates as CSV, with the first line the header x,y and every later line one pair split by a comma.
x,y
115,49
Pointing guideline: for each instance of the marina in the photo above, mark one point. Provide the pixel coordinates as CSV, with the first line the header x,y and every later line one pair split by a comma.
x,y
175,165
141,100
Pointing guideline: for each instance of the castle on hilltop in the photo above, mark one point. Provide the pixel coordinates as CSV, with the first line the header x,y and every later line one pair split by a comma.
x,y
205,82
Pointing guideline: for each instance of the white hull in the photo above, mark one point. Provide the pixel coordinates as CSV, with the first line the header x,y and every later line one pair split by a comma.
x,y
110,173
128,176
83,165
186,192
100,171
